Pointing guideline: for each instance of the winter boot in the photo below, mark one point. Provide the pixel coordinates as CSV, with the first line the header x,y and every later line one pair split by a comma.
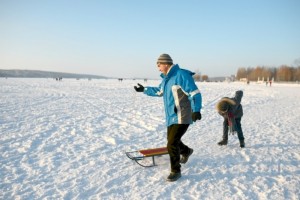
x,y
222,142
242,143
174,176
185,157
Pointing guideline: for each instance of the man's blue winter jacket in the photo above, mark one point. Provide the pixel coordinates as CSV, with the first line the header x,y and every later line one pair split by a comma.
x,y
181,95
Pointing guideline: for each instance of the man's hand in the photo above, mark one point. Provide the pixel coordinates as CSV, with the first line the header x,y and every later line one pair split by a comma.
x,y
140,88
196,116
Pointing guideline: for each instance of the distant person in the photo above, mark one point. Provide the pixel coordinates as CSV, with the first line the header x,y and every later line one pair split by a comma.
x,y
270,83
183,102
232,111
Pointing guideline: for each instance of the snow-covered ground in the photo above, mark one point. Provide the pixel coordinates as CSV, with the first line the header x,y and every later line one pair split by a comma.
x,y
67,140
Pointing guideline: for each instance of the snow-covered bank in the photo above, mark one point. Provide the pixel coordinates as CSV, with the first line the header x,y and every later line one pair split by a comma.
x,y
66,140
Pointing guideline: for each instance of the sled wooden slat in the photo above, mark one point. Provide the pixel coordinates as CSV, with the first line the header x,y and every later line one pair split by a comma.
x,y
154,152
139,155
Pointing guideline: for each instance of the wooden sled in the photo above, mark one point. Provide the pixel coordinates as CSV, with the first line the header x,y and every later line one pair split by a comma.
x,y
139,155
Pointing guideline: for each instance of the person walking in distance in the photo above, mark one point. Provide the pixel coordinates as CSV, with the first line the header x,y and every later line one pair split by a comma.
x,y
182,102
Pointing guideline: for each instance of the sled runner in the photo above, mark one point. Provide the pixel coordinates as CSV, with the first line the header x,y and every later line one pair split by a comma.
x,y
139,155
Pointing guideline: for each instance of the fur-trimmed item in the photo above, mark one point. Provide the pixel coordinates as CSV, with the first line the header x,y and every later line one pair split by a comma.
x,y
224,108
224,104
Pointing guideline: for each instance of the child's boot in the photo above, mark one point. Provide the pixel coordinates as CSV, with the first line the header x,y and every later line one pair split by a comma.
x,y
242,143
222,142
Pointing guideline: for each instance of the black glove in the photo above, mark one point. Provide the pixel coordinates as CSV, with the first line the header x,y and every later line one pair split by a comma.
x,y
196,116
140,88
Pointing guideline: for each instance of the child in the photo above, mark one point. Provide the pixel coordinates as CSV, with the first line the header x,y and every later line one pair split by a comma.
x,y
232,111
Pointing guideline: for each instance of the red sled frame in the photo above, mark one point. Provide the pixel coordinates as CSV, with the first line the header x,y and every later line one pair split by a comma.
x,y
139,155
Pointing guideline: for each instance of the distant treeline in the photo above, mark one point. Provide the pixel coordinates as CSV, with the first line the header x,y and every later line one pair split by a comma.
x,y
282,73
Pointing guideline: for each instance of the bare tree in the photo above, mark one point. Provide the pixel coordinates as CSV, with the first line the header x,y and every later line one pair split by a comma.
x,y
197,76
241,73
204,78
284,73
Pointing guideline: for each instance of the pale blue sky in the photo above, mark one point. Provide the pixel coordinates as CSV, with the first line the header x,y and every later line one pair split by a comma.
x,y
123,38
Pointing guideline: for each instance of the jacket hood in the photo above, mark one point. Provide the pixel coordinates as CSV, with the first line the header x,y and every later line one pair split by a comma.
x,y
174,69
224,104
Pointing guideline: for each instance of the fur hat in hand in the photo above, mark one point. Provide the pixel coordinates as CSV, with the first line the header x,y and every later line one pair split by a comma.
x,y
223,104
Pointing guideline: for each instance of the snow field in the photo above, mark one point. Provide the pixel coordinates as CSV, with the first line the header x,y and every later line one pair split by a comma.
x,y
67,140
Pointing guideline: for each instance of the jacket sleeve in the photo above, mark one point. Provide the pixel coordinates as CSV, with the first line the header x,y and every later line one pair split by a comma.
x,y
237,109
197,102
189,86
238,97
153,91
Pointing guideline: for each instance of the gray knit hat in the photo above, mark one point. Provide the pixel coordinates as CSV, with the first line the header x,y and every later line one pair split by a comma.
x,y
165,58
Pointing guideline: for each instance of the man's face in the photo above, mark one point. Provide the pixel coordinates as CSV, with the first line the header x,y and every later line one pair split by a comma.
x,y
163,67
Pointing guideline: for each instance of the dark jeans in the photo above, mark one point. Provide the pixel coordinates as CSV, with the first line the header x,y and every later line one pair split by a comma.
x,y
238,129
175,145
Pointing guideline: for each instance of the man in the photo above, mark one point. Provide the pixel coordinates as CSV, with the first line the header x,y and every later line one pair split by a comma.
x,y
183,102
231,110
